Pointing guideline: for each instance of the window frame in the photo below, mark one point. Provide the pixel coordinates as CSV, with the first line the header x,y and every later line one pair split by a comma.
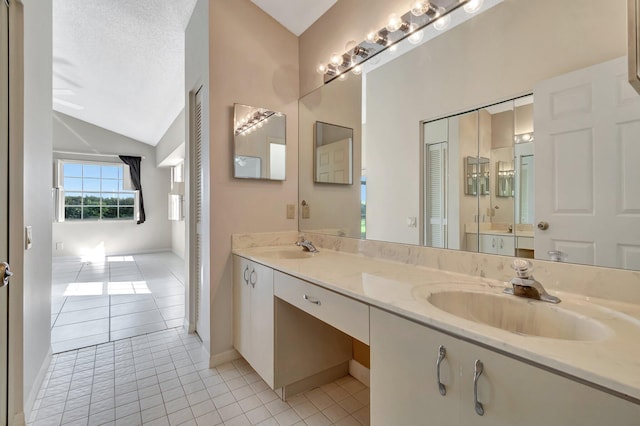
x,y
60,197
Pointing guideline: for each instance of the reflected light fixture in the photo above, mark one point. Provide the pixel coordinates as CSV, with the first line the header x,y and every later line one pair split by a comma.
x,y
253,121
442,22
523,137
416,35
473,6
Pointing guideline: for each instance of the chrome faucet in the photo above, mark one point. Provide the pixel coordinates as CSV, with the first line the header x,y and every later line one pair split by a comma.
x,y
524,285
307,246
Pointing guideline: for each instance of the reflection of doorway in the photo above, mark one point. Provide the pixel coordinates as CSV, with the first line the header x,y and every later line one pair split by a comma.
x,y
435,164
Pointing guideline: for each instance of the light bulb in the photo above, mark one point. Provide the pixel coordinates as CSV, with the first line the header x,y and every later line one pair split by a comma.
x,y
371,37
343,76
419,8
416,36
322,68
348,47
394,23
336,59
473,6
357,70
442,22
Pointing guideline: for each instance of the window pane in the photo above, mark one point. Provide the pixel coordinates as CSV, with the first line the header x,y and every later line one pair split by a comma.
x,y
109,185
71,213
126,212
110,172
91,171
72,198
127,199
91,213
91,199
109,212
91,185
109,199
72,184
71,169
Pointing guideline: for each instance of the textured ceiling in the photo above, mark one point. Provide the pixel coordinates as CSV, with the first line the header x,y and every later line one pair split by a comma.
x,y
119,64
295,15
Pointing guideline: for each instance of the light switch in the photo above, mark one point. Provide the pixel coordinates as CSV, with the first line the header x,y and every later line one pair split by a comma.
x,y
291,211
412,221
28,237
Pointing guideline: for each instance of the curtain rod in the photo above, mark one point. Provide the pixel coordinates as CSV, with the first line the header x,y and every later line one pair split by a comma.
x,y
93,154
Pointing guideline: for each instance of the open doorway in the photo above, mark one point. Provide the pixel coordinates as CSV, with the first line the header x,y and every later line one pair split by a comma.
x,y
119,269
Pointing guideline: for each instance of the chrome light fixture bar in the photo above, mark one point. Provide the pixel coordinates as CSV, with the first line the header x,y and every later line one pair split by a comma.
x,y
421,14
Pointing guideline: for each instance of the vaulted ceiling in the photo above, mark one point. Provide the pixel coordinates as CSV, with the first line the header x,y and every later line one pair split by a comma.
x,y
119,64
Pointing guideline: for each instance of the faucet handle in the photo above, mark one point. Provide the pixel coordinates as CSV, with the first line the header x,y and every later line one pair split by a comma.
x,y
523,268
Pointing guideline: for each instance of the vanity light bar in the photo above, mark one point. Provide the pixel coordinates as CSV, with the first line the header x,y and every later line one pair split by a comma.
x,y
422,14
253,121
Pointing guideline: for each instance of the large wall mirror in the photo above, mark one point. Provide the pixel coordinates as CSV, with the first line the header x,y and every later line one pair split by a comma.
x,y
518,143
259,141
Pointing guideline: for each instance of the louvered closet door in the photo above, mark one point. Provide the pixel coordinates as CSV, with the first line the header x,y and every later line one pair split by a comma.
x,y
436,196
197,205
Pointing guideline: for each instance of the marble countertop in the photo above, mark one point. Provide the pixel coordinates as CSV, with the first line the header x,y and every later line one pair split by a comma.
x,y
612,362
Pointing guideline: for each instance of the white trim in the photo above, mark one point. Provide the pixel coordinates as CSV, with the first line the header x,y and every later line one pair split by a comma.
x,y
360,372
223,358
37,384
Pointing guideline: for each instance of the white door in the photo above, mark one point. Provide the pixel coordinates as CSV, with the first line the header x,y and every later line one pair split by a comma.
x,y
4,203
588,119
436,194
333,162
197,206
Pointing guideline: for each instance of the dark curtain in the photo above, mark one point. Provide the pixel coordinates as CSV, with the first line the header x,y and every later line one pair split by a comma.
x,y
134,167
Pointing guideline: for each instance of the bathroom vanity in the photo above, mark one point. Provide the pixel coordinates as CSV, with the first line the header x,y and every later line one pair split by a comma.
x,y
572,363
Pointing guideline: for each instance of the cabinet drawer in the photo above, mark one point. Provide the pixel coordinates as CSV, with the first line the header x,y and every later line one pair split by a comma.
x,y
341,312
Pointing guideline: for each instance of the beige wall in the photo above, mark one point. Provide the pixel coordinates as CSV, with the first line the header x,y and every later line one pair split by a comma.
x,y
335,104
253,61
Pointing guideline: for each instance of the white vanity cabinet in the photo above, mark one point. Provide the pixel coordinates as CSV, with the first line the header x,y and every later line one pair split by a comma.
x,y
253,319
405,391
497,244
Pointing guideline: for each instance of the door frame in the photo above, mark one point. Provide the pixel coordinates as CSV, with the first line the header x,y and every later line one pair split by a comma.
x,y
15,407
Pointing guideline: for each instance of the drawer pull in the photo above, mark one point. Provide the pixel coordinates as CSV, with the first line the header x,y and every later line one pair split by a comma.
x,y
308,299
478,371
442,354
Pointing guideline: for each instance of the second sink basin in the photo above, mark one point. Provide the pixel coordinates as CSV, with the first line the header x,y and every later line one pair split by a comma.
x,y
518,315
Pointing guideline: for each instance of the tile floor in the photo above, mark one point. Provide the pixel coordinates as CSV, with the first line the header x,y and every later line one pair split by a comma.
x,y
162,378
121,296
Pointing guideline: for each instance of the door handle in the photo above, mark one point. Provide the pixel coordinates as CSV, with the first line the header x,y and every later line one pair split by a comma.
x,y
543,226
479,368
5,273
246,275
442,354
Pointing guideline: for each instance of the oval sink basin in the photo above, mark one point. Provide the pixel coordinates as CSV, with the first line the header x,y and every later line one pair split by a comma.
x,y
519,315
287,253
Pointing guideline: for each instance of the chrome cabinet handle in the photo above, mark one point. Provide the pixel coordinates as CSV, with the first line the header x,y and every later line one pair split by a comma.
x,y
501,243
493,243
253,278
442,354
246,278
310,300
479,367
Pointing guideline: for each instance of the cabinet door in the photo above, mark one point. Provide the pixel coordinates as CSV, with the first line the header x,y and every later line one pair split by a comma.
x,y
488,244
515,393
241,306
506,245
404,386
262,322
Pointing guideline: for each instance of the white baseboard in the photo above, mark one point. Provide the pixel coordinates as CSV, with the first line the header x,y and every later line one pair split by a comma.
x,y
224,357
35,389
359,372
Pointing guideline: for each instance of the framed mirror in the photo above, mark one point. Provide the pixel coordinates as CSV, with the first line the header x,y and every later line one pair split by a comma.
x,y
333,154
259,141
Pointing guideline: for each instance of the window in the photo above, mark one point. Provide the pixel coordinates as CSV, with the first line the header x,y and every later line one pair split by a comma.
x,y
96,191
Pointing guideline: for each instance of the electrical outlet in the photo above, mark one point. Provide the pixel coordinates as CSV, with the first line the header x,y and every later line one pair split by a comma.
x,y
291,211
59,246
